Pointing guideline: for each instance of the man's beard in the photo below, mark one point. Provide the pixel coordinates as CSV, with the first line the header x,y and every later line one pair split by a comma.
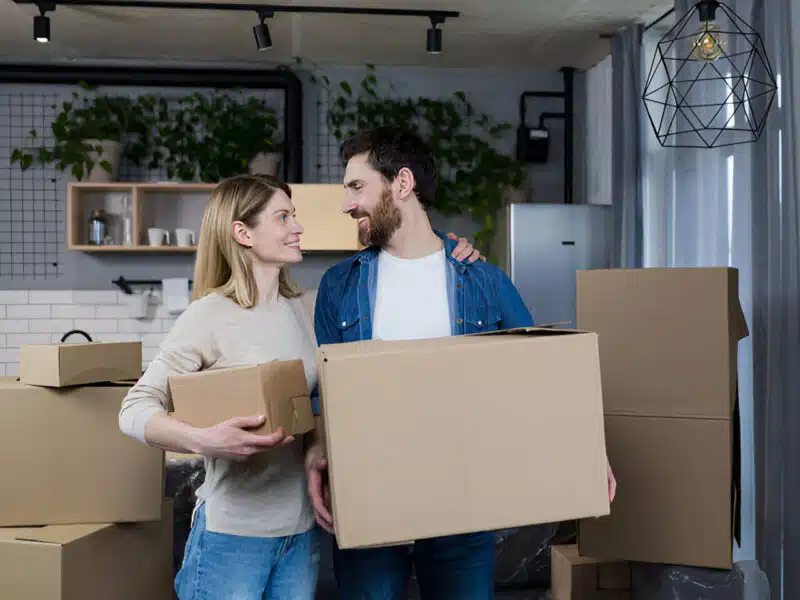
x,y
384,221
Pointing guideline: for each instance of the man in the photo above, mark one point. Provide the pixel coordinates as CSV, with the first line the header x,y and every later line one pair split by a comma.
x,y
406,285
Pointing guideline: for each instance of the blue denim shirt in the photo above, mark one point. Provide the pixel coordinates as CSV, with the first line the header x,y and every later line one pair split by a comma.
x,y
481,298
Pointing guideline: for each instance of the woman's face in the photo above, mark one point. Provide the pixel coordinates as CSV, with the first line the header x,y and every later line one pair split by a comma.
x,y
275,238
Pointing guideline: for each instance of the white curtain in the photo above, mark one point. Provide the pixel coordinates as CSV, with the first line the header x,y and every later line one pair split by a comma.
x,y
599,129
626,146
740,206
776,304
697,212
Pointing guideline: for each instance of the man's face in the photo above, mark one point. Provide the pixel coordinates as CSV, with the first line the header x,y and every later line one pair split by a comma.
x,y
370,199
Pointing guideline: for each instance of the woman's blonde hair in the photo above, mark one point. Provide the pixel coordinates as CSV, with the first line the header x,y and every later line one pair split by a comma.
x,y
223,265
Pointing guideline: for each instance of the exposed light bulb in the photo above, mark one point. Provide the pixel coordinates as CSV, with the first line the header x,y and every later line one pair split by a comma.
x,y
707,42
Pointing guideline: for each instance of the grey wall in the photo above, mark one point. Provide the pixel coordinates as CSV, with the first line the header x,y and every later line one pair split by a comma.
x,y
494,92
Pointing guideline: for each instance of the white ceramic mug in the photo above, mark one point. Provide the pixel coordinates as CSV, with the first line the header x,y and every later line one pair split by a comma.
x,y
139,304
184,237
156,235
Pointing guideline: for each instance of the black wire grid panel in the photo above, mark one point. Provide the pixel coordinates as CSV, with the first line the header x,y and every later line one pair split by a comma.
x,y
710,82
325,152
32,230
33,203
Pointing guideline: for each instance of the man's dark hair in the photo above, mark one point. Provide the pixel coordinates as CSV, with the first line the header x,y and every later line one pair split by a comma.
x,y
388,150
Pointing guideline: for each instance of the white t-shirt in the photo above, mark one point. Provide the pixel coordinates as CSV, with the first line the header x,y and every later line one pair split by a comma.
x,y
411,298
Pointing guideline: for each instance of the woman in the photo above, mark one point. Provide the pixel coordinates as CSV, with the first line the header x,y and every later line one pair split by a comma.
x,y
253,531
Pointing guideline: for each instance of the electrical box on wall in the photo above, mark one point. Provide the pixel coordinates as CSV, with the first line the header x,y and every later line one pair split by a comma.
x,y
533,144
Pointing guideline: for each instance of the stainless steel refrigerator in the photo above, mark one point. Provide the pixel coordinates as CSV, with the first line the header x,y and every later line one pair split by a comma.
x,y
541,246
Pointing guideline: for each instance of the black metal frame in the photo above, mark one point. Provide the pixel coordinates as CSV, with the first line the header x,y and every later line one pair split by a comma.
x,y
50,5
659,19
280,79
705,11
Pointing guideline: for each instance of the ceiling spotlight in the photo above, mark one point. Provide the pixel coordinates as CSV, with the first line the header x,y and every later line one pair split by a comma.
x,y
434,45
41,24
261,33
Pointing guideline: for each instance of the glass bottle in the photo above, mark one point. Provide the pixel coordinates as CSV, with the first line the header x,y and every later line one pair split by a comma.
x,y
127,221
97,227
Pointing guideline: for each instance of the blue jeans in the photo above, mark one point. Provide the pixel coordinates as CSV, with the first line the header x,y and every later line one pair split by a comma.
x,y
459,567
219,566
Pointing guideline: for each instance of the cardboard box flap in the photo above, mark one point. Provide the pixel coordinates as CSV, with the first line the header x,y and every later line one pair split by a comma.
x,y
571,554
14,383
50,534
548,329
576,577
739,329
383,347
287,379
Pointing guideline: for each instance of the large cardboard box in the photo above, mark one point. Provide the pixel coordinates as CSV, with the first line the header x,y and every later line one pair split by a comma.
x,y
453,435
576,577
277,389
88,562
60,365
668,350
64,460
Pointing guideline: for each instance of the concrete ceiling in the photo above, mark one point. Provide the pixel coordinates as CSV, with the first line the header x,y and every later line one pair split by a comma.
x,y
535,34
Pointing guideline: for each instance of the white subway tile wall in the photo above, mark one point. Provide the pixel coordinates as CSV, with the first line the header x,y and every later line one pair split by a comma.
x,y
43,317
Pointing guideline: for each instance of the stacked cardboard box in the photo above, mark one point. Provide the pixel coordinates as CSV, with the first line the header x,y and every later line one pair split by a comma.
x,y
668,349
444,436
82,508
577,577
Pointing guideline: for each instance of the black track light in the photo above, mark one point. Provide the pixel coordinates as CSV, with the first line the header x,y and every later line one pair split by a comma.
x,y
434,40
41,24
41,29
434,45
263,39
261,33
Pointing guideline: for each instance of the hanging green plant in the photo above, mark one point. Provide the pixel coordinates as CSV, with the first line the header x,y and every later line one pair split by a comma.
x,y
93,133
211,137
474,177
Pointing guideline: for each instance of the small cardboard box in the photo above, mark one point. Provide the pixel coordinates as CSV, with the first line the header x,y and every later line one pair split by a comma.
x,y
88,562
576,577
668,350
277,389
460,434
61,365
63,459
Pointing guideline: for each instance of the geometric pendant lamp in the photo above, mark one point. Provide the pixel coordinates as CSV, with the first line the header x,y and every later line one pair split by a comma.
x,y
710,83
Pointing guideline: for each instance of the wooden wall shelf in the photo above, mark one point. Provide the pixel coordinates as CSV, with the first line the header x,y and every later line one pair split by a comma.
x,y
169,206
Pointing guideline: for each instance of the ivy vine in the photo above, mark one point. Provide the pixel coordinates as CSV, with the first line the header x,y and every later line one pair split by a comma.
x,y
474,177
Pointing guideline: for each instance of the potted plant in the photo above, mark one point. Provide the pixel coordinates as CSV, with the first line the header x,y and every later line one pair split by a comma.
x,y
474,177
209,137
91,135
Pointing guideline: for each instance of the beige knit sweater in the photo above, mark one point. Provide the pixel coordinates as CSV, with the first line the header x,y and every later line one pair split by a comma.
x,y
264,496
